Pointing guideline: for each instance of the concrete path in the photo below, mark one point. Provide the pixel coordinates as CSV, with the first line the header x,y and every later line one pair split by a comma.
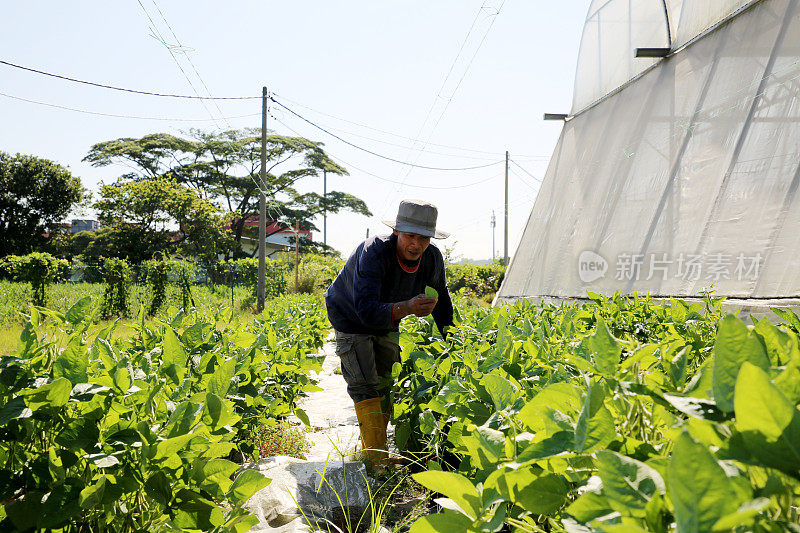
x,y
334,427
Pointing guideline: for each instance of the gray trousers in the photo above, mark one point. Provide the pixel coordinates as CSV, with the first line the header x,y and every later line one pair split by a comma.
x,y
365,360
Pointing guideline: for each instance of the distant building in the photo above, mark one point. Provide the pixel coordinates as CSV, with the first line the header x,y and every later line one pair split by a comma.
x,y
279,236
79,224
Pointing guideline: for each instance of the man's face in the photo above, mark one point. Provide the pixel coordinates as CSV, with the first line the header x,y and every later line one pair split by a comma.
x,y
410,246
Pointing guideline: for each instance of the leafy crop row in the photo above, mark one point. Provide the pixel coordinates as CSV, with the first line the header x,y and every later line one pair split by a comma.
x,y
142,434
619,415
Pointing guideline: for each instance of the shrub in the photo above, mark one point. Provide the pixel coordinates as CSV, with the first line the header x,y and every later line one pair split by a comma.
x,y
39,269
478,280
316,272
246,273
116,274
280,439
156,273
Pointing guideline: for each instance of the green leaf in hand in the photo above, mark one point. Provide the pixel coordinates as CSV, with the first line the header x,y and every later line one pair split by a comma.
x,y
430,292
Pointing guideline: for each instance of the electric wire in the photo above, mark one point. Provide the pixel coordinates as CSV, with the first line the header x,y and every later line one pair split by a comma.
x,y
350,165
389,143
375,153
522,180
175,59
189,60
449,99
392,134
123,89
113,115
525,171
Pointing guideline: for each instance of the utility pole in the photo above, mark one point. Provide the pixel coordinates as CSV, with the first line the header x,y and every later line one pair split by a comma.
x,y
262,208
493,224
505,233
325,209
296,251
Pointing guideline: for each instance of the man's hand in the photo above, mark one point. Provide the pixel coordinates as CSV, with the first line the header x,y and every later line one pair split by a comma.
x,y
421,305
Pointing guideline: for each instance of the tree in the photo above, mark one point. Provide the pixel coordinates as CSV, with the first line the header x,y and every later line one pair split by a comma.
x,y
35,195
159,215
225,168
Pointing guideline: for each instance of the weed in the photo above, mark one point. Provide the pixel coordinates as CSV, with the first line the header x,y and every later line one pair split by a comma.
x,y
280,438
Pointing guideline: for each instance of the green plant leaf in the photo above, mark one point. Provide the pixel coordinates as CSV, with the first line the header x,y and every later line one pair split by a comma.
x,y
781,346
79,311
193,511
170,447
302,416
492,441
589,506
217,413
560,442
173,357
245,485
454,486
51,395
734,345
446,522
562,397
502,391
92,495
84,392
789,316
13,410
544,495
698,487
182,419
158,488
80,434
628,484
72,363
430,292
604,349
595,427
768,422
220,381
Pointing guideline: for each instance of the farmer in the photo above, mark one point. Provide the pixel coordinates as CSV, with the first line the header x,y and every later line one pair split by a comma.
x,y
383,281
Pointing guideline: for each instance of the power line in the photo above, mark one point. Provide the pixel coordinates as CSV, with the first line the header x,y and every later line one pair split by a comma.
x,y
346,164
392,134
113,115
526,172
375,153
523,181
123,89
175,59
189,59
452,95
389,143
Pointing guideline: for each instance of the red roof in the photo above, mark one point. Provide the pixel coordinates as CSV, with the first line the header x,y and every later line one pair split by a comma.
x,y
273,227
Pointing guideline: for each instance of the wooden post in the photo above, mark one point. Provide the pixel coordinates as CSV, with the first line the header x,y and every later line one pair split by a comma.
x,y
296,251
262,209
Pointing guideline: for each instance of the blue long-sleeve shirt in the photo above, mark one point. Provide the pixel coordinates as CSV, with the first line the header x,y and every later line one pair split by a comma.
x,y
361,297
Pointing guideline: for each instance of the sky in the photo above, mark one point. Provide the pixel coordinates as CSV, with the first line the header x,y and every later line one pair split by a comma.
x,y
448,84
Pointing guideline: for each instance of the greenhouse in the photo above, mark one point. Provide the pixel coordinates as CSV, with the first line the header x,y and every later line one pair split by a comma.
x,y
678,166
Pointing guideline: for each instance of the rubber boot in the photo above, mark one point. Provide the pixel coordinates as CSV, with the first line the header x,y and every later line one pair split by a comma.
x,y
373,430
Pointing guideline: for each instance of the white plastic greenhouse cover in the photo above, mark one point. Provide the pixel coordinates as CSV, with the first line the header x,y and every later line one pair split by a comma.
x,y
615,28
685,178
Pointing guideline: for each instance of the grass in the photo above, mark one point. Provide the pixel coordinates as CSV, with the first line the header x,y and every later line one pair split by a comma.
x,y
15,301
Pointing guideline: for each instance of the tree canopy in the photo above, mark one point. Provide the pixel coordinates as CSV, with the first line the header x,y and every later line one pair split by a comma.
x,y
224,168
35,196
148,216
